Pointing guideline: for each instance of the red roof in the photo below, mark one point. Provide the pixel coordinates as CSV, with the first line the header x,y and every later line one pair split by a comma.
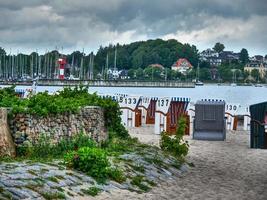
x,y
182,61
156,66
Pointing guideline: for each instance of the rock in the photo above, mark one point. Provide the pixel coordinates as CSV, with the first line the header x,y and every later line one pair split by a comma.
x,y
22,128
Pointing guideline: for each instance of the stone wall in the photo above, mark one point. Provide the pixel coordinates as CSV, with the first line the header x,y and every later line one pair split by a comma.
x,y
89,120
7,147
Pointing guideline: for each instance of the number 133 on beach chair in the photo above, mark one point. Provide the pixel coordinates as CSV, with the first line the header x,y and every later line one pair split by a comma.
x,y
131,116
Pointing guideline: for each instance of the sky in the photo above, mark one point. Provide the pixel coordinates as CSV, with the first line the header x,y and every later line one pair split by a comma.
x,y
30,25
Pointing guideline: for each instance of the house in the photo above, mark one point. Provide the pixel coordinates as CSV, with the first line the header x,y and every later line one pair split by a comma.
x,y
208,53
260,66
229,56
216,59
114,74
182,65
258,58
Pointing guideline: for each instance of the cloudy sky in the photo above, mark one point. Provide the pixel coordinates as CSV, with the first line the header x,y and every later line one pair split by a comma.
x,y
27,25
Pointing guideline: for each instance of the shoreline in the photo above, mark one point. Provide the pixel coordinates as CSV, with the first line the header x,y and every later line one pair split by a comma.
x,y
123,84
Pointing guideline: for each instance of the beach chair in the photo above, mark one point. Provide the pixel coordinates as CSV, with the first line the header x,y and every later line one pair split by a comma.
x,y
209,123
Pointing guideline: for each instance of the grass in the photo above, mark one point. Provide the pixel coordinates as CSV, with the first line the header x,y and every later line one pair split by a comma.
x,y
70,194
58,188
92,191
117,175
53,179
52,196
138,181
59,177
139,168
32,172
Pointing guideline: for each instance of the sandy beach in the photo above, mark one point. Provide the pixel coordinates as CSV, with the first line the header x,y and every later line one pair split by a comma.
x,y
223,170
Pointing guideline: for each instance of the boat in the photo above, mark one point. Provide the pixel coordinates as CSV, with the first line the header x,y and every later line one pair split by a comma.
x,y
258,85
233,84
198,82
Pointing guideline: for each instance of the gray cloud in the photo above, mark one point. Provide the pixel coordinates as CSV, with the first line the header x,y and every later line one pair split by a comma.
x,y
31,24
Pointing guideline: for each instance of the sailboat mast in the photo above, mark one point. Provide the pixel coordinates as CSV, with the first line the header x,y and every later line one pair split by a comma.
x,y
115,60
89,67
81,67
106,71
92,67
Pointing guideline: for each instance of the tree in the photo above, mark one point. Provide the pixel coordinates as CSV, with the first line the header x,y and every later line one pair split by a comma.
x,y
139,73
218,47
244,58
204,74
255,74
131,73
2,51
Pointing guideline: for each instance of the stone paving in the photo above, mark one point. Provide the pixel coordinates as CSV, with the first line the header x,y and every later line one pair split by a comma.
x,y
33,180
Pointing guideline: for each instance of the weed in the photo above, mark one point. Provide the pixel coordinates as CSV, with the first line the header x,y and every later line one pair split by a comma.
x,y
138,181
176,145
53,179
51,196
92,191
70,194
116,175
139,168
32,172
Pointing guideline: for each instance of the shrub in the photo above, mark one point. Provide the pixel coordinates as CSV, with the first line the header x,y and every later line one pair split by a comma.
x,y
74,143
68,100
116,175
44,148
92,161
175,145
93,191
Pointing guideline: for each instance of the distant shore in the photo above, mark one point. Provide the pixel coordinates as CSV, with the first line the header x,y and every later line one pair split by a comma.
x,y
103,83
121,83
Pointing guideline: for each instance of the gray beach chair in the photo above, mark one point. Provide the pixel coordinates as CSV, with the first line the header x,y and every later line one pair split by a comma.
x,y
209,123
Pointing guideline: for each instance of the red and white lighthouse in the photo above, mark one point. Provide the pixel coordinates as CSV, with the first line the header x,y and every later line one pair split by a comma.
x,y
61,62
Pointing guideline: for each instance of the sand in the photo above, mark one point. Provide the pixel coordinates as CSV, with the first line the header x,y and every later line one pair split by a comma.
x,y
223,170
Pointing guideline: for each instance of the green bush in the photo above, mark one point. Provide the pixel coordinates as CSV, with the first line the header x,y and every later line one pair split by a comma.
x,y
92,191
44,148
175,145
92,161
69,100
116,175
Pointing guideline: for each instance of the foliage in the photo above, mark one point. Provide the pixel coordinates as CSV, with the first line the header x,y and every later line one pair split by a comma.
x,y
45,149
92,191
139,182
244,58
142,54
50,195
116,174
69,100
218,47
92,161
255,74
175,145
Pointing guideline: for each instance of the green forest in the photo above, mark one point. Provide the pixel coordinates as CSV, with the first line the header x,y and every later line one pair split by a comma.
x,y
136,58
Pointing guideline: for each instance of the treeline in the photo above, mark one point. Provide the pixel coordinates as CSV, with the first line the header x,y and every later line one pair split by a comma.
x,y
131,56
142,54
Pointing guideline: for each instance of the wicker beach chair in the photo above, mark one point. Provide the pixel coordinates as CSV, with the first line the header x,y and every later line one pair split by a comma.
x,y
209,123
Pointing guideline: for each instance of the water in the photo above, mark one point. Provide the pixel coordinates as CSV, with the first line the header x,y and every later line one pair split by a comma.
x,y
243,95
